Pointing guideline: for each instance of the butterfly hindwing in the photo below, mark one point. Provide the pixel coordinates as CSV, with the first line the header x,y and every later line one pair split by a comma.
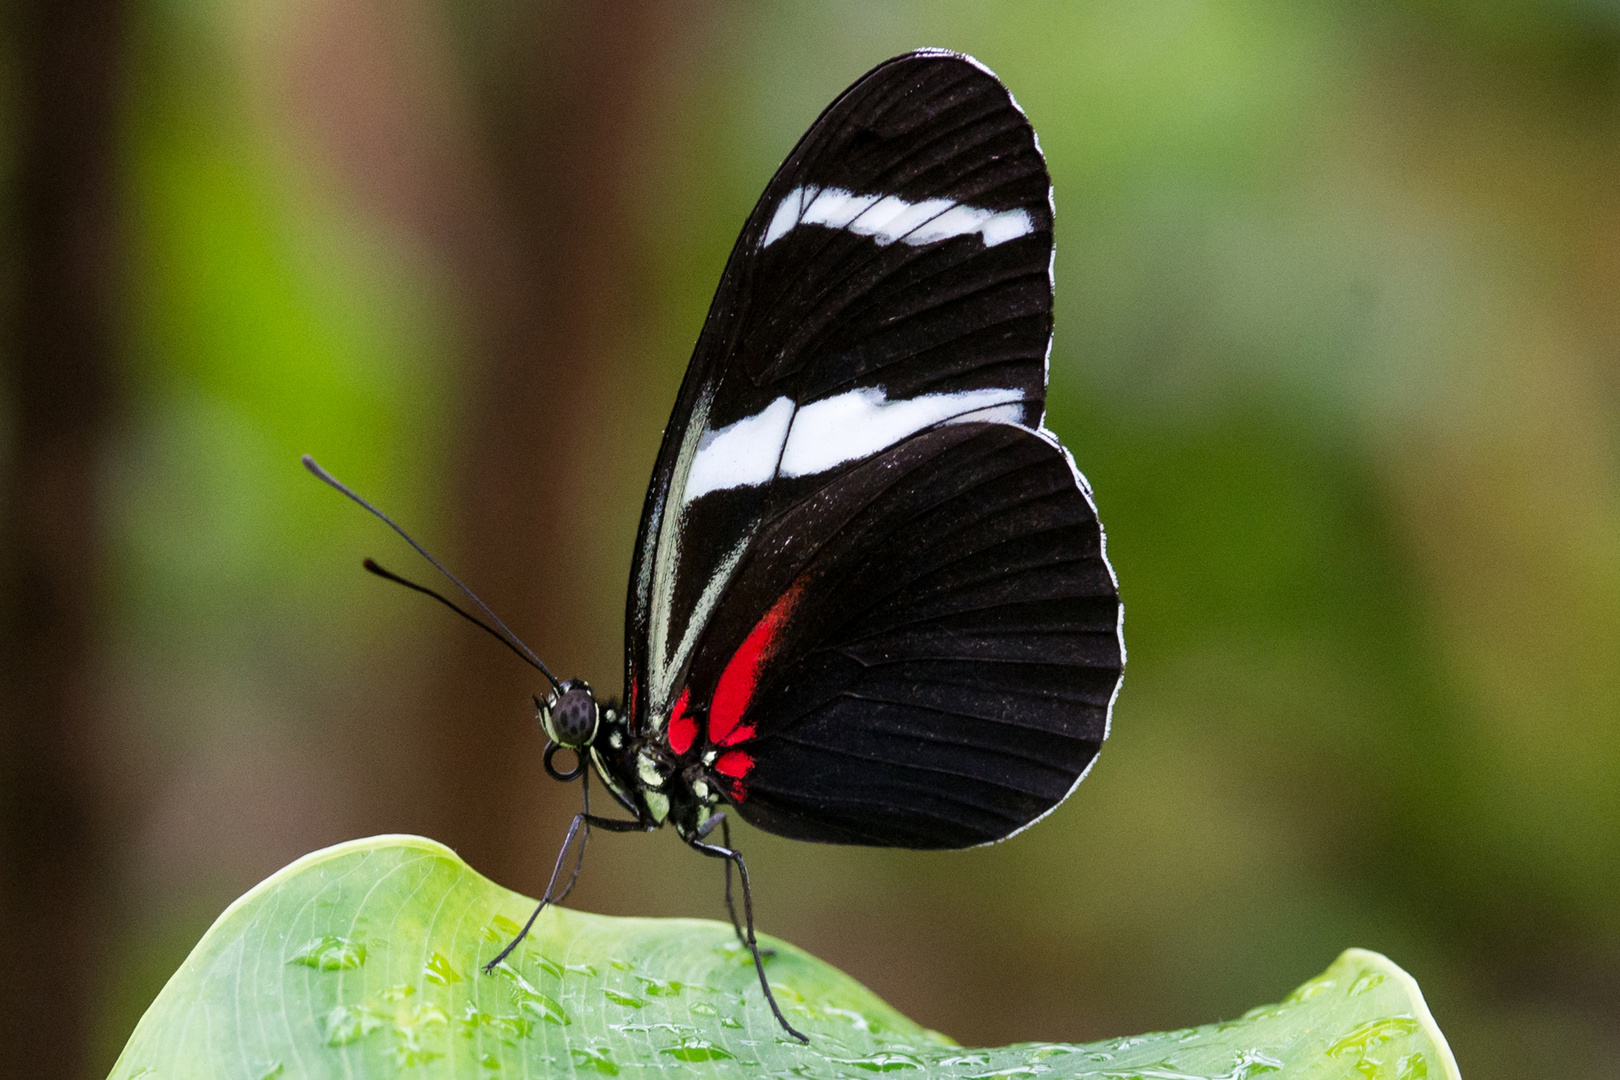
x,y
886,313
943,646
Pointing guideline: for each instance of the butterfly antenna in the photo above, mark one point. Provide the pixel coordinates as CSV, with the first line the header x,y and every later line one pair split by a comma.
x,y
505,635
373,567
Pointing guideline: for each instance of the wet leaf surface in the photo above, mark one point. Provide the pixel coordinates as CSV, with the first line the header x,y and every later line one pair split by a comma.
x,y
365,960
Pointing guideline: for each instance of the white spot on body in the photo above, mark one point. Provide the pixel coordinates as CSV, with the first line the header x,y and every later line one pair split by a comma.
x,y
648,770
889,218
831,432
657,804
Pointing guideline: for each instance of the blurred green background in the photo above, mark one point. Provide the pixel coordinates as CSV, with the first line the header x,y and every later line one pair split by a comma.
x,y
1338,345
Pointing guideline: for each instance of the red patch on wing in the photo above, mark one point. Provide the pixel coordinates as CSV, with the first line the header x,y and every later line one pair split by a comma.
x,y
735,764
682,725
735,690
635,702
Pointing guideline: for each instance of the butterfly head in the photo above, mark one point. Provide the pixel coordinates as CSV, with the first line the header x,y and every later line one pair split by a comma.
x,y
570,715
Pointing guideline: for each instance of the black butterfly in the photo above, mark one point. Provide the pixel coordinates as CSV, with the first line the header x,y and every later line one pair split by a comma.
x,y
870,602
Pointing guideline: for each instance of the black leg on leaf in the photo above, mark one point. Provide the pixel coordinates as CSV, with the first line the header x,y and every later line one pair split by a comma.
x,y
545,897
719,818
733,856
588,820
579,857
731,907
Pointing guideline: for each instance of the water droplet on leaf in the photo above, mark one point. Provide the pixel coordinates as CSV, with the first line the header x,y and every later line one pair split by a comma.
x,y
331,953
1411,1067
696,1049
1309,990
849,1015
438,971
594,1058
885,1062
552,967
544,1007
532,1000
659,987
1372,1034
508,1029
1365,982
346,1023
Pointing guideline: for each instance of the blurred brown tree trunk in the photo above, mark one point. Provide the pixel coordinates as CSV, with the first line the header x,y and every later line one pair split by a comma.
x,y
512,165
59,380
560,129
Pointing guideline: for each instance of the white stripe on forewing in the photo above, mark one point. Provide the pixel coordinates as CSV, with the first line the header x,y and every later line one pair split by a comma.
x,y
743,454
1012,413
888,218
859,423
830,207
834,431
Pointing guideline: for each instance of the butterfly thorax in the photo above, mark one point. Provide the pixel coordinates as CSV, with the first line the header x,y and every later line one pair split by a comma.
x,y
680,789
643,772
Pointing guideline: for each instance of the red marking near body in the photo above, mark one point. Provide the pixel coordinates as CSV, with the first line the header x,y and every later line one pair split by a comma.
x,y
735,690
682,726
735,764
635,700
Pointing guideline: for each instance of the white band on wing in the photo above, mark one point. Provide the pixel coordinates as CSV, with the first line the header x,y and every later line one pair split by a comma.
x,y
743,454
887,218
828,433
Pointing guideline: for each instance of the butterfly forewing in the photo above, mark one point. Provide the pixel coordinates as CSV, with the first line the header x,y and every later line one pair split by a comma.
x,y
868,586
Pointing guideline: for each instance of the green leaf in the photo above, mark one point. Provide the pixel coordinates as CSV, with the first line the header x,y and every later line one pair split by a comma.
x,y
365,960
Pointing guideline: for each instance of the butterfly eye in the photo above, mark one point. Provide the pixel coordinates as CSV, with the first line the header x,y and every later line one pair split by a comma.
x,y
570,716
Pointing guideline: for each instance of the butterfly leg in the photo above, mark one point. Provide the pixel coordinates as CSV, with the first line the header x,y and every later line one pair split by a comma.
x,y
719,818
579,855
733,856
588,821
